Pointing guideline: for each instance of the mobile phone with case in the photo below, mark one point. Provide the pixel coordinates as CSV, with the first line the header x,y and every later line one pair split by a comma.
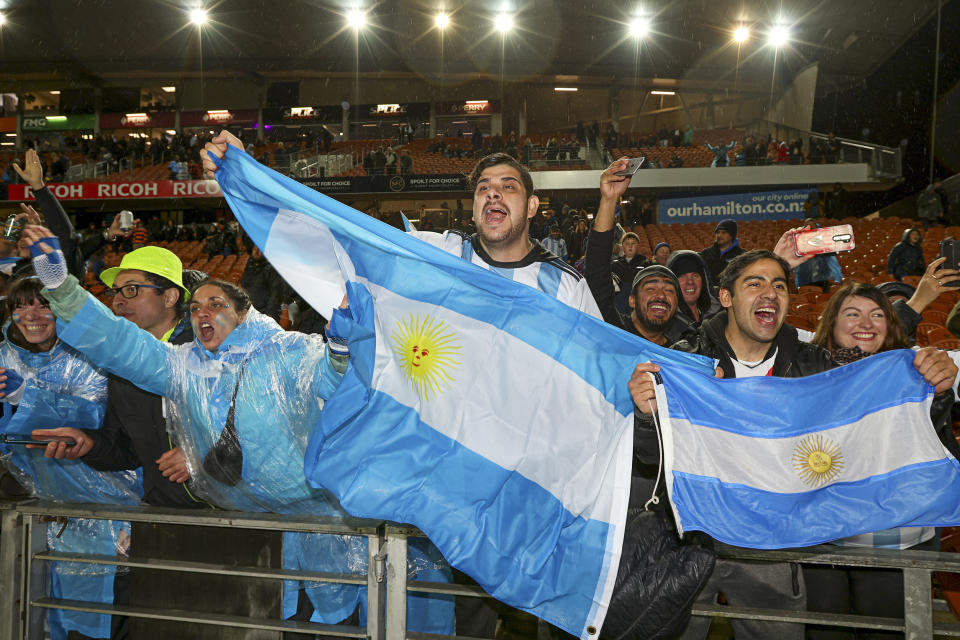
x,y
824,240
950,249
633,165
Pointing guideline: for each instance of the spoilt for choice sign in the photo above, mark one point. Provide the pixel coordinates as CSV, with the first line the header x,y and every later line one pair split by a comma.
x,y
761,205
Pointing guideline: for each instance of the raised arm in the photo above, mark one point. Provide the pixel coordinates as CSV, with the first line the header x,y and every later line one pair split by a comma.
x,y
112,343
55,217
600,241
89,246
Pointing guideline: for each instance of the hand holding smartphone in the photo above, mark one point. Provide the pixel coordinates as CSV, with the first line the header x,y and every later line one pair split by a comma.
x,y
633,165
824,240
27,439
950,249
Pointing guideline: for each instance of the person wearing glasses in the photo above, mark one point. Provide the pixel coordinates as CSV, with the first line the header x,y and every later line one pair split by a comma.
x,y
147,289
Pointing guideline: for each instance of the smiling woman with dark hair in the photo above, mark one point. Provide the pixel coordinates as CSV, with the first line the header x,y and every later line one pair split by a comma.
x,y
857,322
46,383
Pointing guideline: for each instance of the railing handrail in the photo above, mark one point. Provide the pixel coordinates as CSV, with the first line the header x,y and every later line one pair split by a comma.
x,y
21,584
849,556
206,517
388,557
810,133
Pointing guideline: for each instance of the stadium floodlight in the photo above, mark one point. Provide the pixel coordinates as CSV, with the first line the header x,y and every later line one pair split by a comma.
x,y
779,36
741,34
356,19
503,22
442,20
639,27
198,17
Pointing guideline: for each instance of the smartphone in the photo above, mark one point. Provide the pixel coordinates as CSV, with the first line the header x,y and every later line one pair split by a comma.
x,y
633,165
11,228
950,249
824,240
25,438
126,221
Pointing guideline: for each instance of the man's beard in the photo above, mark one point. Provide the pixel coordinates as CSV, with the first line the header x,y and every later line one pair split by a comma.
x,y
653,325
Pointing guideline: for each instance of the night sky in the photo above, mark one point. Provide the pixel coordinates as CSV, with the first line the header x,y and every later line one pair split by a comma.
x,y
896,103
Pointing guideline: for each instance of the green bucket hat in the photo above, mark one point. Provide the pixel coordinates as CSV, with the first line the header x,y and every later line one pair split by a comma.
x,y
155,260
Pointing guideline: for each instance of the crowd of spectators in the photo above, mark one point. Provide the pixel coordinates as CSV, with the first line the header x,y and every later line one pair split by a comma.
x,y
769,150
288,150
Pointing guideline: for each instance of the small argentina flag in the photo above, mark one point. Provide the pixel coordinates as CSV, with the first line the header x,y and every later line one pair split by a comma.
x,y
771,463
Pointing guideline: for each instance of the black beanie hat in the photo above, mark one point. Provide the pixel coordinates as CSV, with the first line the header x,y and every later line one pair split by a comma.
x,y
728,225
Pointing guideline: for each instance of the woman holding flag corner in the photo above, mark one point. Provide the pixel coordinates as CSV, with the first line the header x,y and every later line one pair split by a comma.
x,y
857,322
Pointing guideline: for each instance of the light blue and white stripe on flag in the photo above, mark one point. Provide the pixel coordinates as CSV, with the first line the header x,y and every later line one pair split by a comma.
x,y
488,414
777,462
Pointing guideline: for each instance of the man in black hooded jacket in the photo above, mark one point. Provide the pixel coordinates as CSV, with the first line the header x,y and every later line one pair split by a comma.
x,y
698,302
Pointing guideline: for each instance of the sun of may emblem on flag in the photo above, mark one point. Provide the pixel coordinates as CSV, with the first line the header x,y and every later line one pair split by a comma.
x,y
427,351
818,460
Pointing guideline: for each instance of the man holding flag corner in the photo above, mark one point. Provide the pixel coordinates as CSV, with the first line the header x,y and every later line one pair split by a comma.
x,y
749,339
561,565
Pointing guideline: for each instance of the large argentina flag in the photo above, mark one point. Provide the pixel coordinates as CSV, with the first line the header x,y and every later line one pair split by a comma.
x,y
798,462
488,414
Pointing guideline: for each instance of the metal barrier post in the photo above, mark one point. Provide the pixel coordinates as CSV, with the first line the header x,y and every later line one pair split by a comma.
x,y
917,608
10,555
376,585
35,576
396,571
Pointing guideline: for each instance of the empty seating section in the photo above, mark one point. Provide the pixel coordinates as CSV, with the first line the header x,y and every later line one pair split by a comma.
x,y
424,162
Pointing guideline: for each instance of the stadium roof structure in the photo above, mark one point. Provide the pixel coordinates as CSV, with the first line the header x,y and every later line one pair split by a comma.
x,y
103,42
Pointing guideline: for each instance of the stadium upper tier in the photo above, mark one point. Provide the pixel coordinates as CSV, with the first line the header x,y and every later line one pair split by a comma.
x,y
440,155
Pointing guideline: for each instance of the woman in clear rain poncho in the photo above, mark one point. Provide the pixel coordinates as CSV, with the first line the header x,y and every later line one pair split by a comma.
x,y
48,384
242,399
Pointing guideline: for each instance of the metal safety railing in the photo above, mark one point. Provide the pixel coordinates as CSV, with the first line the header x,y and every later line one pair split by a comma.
x,y
24,554
308,164
885,162
917,567
87,171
